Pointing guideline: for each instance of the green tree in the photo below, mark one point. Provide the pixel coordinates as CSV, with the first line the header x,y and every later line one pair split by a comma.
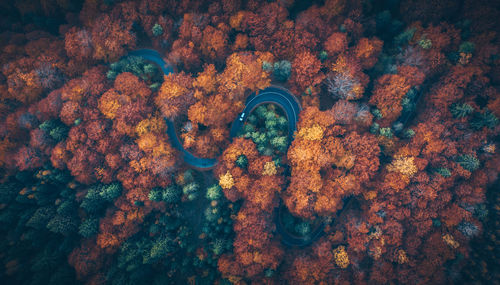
x,y
157,30
156,194
259,138
485,119
110,192
98,195
140,68
47,260
47,125
405,37
445,172
219,246
171,194
64,225
55,129
461,110
303,228
466,47
41,217
188,177
386,132
242,161
89,227
376,113
267,129
271,122
59,133
323,56
191,190
267,66
130,256
161,247
261,112
282,70
282,123
280,143
212,213
408,102
214,192
425,43
408,133
468,162
93,202
67,208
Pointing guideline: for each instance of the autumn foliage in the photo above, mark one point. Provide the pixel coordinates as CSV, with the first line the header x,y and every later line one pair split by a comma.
x,y
395,147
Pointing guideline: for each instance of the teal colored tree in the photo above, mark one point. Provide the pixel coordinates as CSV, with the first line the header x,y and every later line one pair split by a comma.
x,y
267,127
141,68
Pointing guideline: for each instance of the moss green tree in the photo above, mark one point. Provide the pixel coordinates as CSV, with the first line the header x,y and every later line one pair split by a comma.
x,y
468,162
214,192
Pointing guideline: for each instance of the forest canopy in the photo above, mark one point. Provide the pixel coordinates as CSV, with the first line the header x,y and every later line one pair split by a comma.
x,y
391,175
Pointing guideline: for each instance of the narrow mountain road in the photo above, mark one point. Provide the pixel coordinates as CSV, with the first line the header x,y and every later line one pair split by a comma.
x,y
274,95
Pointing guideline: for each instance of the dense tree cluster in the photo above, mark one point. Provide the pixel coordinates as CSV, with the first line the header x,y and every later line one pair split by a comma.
x,y
395,147
268,130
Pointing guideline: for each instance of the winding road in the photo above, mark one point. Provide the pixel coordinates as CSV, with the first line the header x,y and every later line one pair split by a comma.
x,y
273,94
